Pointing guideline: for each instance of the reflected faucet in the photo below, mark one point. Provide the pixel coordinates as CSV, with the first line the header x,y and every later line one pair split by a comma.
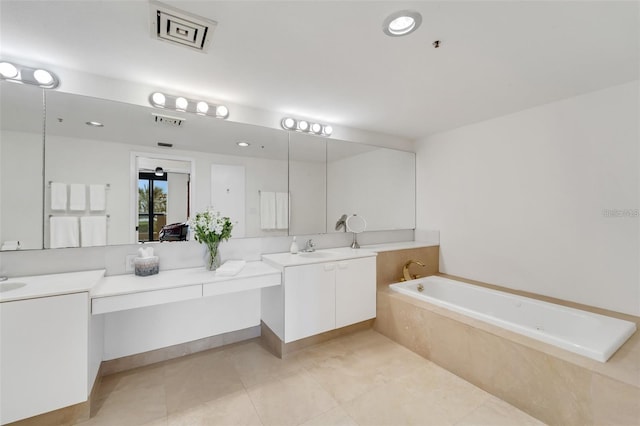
x,y
406,276
309,246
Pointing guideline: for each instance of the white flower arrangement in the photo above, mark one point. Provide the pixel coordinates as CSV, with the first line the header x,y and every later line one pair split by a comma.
x,y
210,227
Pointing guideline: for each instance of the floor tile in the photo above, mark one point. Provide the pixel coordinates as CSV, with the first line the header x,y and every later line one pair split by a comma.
x,y
495,412
231,410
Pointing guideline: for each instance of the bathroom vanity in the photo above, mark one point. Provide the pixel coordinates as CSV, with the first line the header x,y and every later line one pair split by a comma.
x,y
322,291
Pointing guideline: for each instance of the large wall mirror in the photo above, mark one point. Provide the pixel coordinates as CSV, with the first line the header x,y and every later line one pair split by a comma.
x,y
129,170
21,157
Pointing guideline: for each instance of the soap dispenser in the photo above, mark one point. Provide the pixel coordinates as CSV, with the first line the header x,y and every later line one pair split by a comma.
x,y
294,246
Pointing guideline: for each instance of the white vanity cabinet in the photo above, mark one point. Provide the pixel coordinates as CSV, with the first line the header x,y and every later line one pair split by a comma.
x,y
319,296
43,354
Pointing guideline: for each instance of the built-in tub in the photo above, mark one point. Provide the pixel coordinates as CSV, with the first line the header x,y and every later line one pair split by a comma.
x,y
585,333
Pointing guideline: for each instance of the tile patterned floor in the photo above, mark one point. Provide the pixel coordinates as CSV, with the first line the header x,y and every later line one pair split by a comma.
x,y
360,379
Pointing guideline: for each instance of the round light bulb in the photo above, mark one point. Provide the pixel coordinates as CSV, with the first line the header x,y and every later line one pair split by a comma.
x,y
303,125
202,107
8,70
328,130
158,99
182,103
222,111
289,123
316,128
43,77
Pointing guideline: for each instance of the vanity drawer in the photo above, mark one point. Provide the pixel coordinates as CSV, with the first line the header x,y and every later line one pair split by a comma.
x,y
104,305
242,284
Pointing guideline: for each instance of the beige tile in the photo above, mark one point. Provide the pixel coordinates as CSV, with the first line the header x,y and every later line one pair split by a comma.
x,y
131,407
232,410
137,379
624,365
198,379
614,402
495,412
334,417
392,404
290,400
256,365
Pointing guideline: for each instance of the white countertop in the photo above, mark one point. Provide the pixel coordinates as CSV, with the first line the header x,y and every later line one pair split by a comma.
x,y
283,260
128,284
51,285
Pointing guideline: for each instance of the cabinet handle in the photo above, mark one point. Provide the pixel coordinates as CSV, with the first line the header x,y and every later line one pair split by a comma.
x,y
343,265
329,266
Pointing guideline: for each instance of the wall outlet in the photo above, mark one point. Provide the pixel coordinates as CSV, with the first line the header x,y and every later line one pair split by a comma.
x,y
129,264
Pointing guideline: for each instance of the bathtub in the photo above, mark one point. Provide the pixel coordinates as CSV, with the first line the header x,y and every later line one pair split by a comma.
x,y
585,333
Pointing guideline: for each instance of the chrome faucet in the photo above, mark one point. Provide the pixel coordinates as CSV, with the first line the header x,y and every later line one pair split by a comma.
x,y
309,246
406,276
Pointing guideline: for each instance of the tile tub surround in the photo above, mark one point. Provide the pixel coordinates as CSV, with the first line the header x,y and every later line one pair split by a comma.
x,y
359,379
553,385
389,263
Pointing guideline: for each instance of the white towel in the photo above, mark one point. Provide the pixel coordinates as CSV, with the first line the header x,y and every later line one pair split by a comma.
x,y
230,268
58,196
64,232
282,210
10,245
78,197
93,231
97,198
267,210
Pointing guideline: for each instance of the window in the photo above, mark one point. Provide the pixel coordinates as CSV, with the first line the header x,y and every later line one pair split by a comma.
x,y
152,205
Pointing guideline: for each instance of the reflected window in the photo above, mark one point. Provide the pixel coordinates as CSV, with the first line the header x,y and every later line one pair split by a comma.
x,y
152,205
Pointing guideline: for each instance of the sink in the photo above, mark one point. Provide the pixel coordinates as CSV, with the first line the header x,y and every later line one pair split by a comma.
x,y
10,286
317,254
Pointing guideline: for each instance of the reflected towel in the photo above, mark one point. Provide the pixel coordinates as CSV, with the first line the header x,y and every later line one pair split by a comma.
x,y
77,197
64,232
97,198
58,196
230,268
93,231
267,210
282,210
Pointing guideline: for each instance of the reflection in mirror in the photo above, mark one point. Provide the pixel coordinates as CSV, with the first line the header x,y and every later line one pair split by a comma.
x,y
100,156
377,184
307,184
163,195
21,156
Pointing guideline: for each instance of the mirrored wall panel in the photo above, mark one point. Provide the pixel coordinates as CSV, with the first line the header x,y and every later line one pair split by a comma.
x,y
21,156
119,173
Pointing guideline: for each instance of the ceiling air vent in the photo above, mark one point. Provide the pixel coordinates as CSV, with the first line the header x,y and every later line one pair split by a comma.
x,y
176,26
167,121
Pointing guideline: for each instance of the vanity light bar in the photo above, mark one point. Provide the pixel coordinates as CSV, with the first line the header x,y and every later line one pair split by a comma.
x,y
180,103
305,126
16,73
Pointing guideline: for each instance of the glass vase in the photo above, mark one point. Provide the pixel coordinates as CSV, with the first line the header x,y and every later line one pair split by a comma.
x,y
212,257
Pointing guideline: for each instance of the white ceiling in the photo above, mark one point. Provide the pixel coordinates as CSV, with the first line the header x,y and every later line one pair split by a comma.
x,y
330,60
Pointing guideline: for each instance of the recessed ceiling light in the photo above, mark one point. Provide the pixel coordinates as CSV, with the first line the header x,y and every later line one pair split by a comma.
x,y
94,124
159,171
401,23
243,144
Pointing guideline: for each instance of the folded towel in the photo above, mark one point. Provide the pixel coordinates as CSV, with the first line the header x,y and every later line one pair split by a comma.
x,y
282,210
10,245
58,196
230,268
93,231
97,198
267,210
64,232
77,197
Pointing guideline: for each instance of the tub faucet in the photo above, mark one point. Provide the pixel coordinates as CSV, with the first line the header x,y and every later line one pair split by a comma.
x,y
309,246
406,276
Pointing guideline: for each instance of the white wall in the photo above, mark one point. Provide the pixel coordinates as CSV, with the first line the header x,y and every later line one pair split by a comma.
x,y
519,200
21,188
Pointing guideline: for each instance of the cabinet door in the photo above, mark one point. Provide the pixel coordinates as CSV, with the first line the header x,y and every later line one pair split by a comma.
x,y
43,355
355,291
309,300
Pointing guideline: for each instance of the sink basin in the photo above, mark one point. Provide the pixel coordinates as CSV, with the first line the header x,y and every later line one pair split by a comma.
x,y
10,286
317,254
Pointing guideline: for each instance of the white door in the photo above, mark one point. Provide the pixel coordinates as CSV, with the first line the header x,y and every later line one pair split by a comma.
x,y
355,291
228,195
309,300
